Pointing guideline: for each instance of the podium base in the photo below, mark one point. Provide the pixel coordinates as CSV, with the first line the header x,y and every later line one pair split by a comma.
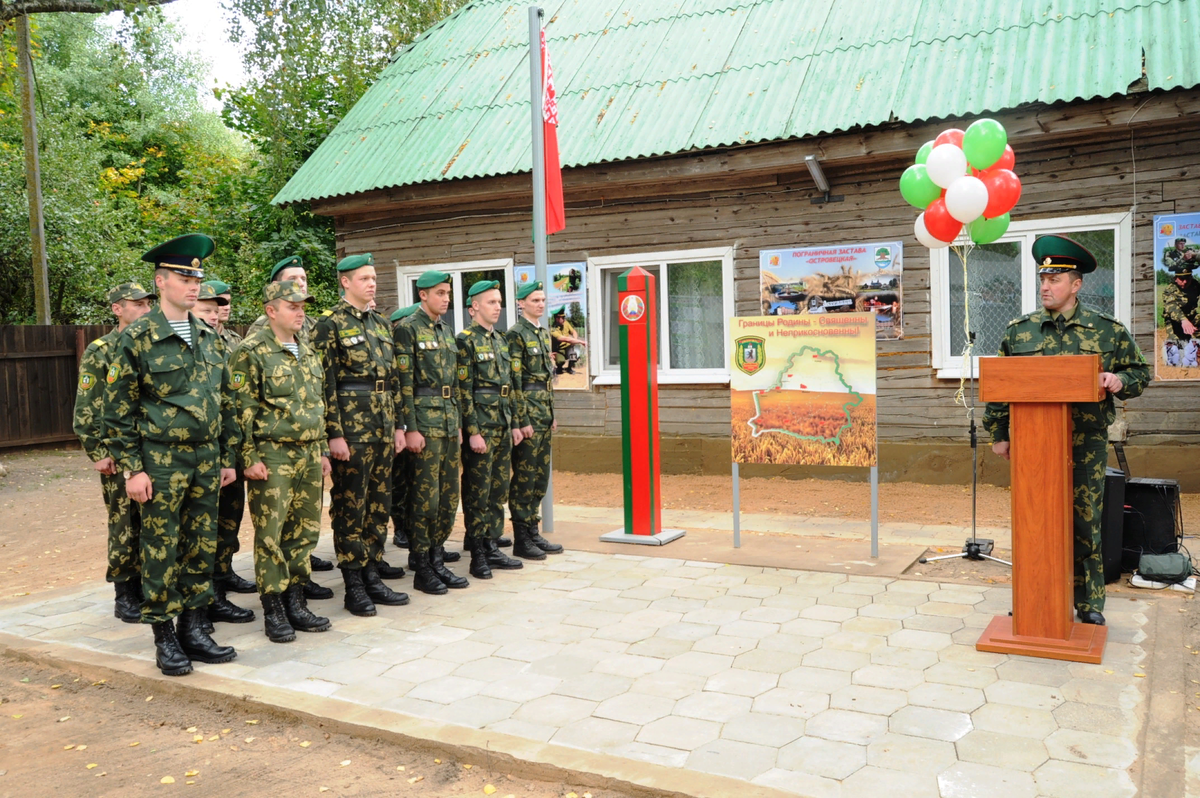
x,y
1086,643
661,539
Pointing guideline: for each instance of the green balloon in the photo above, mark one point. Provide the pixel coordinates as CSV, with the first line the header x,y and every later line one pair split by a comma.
x,y
923,153
985,231
916,187
984,142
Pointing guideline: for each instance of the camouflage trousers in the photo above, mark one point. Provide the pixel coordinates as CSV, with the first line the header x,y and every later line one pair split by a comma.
x,y
485,481
286,511
1090,453
230,510
530,477
434,493
402,478
179,527
359,503
124,530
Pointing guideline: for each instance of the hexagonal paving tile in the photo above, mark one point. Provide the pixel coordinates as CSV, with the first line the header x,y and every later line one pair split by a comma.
x,y
828,758
911,754
848,727
1002,750
796,703
636,708
872,700
936,724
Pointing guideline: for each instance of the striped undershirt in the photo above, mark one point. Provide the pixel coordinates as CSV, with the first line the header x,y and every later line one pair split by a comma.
x,y
294,348
183,329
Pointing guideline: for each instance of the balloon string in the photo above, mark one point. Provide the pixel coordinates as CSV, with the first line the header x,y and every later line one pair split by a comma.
x,y
963,250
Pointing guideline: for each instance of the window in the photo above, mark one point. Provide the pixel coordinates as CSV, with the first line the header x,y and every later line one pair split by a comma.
x,y
1003,284
462,277
695,301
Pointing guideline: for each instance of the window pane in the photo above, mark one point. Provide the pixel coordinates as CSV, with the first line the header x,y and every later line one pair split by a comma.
x,y
1097,291
995,287
695,305
611,319
470,278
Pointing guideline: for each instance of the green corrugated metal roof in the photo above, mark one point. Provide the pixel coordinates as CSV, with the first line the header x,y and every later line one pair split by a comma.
x,y
643,78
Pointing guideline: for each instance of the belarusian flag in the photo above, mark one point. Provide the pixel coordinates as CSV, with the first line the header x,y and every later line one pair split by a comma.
x,y
556,213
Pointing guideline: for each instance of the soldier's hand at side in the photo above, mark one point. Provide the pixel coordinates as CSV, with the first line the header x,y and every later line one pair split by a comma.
x,y
554,426
478,444
415,441
1001,448
518,435
526,432
106,466
338,449
257,471
1110,382
139,487
326,466
1188,327
228,476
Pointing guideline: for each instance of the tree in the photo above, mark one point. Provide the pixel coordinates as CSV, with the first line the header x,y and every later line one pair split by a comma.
x,y
11,9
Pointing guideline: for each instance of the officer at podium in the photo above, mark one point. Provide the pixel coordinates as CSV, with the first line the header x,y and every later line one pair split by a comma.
x,y
1064,327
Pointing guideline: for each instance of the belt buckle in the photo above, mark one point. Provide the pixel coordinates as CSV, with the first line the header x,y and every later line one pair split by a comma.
x,y
504,389
379,386
445,391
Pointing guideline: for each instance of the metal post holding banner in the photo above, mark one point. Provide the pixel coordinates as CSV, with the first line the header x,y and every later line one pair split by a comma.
x,y
737,509
637,303
874,512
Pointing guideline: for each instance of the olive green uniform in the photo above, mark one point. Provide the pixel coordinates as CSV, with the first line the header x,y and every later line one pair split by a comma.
x,y
124,515
488,379
562,347
280,400
361,392
1080,332
402,477
530,345
166,412
1179,304
304,336
1177,261
427,357
231,507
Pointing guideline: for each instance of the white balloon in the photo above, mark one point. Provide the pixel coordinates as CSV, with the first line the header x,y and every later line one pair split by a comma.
x,y
966,199
946,164
926,237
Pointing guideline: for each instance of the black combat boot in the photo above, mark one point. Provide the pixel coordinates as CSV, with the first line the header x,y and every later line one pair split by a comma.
x,y
388,571
195,641
236,584
298,614
424,578
317,564
356,594
168,656
399,536
539,541
128,606
315,592
525,548
450,556
504,542
275,620
498,560
479,567
222,610
377,591
437,559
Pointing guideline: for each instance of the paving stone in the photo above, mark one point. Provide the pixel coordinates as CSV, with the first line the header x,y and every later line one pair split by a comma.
x,y
960,674
911,754
538,732
596,734
438,635
737,681
753,591
446,690
860,588
1091,691
755,630
770,614
804,784
1091,748
490,669
556,710
637,708
529,650
789,601
718,707
1002,750
871,626
521,688
807,627
351,671
1037,724
687,631
888,676
936,724
659,647
872,700
763,729
658,754
835,659
946,696
914,638
826,612
974,780
629,665
1073,780
595,686
912,586
846,726
816,680
893,612
844,600
719,644
794,644
732,758
1034,696
966,654
827,758
956,596
699,663
1044,672
418,671
643,593
767,661
855,641
1093,717
477,711
739,603
710,616
563,666
872,780
673,731
946,624
330,655
651,617
669,684
674,603
625,633
894,599
794,703
913,658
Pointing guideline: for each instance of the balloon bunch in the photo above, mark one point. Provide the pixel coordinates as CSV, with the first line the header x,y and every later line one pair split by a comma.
x,y
963,178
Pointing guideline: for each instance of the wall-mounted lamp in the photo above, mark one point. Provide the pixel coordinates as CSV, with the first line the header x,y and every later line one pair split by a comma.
x,y
818,176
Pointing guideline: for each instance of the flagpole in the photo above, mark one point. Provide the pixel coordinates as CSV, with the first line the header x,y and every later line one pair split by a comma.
x,y
539,202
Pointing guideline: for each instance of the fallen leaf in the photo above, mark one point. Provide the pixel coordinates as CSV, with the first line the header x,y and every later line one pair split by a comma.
x,y
191,729
92,765
25,680
214,737
251,739
251,723
199,738
345,762
167,780
467,767
189,782
81,748
191,773
134,745
571,795
488,789
1139,676
437,761
322,789
400,768
226,731
17,717
102,681
68,747
1107,671
149,698
305,744
55,686
102,773
415,779
64,719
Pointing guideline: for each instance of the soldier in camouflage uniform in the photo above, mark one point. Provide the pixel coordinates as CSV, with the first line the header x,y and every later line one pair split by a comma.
x,y
487,381
361,399
280,387
129,302
530,345
170,427
1063,327
402,466
1180,298
428,362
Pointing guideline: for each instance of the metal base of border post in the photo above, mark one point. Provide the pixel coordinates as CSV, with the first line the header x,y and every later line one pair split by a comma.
x,y
659,539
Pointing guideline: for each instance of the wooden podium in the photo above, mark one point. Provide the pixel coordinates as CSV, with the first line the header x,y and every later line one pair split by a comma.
x,y
1039,391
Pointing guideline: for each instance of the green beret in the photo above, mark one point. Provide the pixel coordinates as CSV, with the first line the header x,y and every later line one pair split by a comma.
x,y
431,278
291,261
529,287
481,286
219,287
404,313
1055,254
131,290
288,290
207,294
184,254
560,312
352,262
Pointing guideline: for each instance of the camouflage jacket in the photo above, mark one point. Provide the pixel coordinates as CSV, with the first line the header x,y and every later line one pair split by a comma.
x,y
231,339
304,336
361,389
1087,332
89,398
279,396
1174,260
162,390
488,381
1180,303
428,360
530,345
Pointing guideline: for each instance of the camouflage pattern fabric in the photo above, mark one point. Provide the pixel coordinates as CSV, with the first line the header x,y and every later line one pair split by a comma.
x,y
360,502
1176,261
434,493
230,338
530,477
231,509
402,478
485,483
124,530
1090,454
286,511
562,347
304,336
1179,304
531,345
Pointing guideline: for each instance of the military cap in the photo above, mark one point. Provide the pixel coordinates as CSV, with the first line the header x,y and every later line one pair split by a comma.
x,y
219,287
209,294
431,278
560,312
352,262
184,254
131,290
290,262
1181,241
1056,254
481,286
287,290
404,313
529,287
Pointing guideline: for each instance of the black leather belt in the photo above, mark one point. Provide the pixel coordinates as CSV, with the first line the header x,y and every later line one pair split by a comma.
x,y
378,386
492,390
535,386
443,392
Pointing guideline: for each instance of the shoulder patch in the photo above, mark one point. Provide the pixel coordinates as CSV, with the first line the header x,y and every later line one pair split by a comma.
x,y
99,342
462,372
239,380
1108,316
85,381
327,312
114,371
1019,320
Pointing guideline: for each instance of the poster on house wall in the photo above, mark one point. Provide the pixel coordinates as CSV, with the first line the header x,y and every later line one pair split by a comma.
x,y
847,278
1176,297
566,312
802,389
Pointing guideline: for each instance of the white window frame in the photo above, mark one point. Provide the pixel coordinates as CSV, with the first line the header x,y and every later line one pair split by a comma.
x,y
949,365
407,275
598,332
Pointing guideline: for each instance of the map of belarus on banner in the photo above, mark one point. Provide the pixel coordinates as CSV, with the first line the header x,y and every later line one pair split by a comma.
x,y
803,389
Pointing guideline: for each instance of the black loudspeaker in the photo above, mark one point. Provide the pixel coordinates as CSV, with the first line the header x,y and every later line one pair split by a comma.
x,y
1152,513
1112,523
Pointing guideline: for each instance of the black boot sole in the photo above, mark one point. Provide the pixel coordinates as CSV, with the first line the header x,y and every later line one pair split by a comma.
x,y
388,602
282,638
324,594
200,657
399,543
362,613
182,671
127,618
439,590
479,574
231,619
325,627
391,572
321,565
527,555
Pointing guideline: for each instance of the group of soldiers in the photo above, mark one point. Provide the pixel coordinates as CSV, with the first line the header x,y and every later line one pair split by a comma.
x,y
186,423
1181,306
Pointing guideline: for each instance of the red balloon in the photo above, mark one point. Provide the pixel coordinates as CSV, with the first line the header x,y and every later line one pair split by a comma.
x,y
1007,160
940,224
1004,189
952,136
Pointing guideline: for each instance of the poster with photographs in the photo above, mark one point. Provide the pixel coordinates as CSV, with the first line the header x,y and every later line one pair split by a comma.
x,y
566,312
1176,294
851,278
